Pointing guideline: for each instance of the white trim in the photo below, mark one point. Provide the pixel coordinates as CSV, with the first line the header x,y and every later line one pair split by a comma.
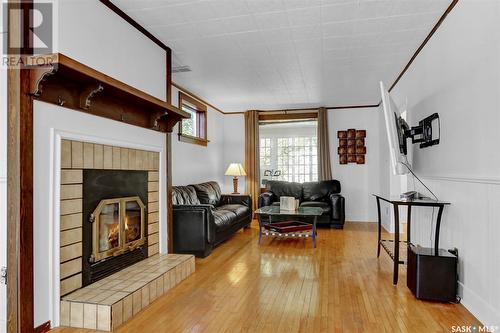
x,y
464,179
483,311
54,197
359,221
52,124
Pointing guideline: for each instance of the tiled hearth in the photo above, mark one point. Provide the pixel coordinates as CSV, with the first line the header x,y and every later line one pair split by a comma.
x,y
110,302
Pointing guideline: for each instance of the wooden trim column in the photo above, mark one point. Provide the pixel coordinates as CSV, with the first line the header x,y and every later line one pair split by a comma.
x,y
170,215
169,76
13,195
168,160
20,305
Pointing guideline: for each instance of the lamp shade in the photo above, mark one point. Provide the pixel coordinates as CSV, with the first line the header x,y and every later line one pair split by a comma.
x,y
235,169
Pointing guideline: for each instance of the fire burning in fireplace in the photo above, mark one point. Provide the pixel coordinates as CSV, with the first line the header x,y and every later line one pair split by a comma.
x,y
119,226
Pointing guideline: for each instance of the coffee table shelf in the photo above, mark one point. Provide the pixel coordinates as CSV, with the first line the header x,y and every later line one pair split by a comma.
x,y
265,215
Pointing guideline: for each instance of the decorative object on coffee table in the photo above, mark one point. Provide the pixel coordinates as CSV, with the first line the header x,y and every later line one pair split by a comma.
x,y
352,147
235,170
289,203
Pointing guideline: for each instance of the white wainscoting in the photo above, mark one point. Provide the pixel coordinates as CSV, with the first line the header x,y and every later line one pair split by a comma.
x,y
3,251
472,224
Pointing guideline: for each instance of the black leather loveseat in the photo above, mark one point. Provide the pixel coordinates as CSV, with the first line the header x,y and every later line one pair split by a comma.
x,y
324,194
203,217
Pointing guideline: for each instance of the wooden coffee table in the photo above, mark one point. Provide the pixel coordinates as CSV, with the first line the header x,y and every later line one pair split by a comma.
x,y
265,215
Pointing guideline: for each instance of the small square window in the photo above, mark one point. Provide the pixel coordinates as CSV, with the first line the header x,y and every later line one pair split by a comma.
x,y
194,129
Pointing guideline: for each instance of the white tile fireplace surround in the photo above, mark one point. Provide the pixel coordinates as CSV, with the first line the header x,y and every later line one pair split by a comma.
x,y
76,158
54,127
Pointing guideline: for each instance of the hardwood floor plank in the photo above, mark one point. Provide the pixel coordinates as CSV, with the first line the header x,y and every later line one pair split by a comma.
x,y
288,286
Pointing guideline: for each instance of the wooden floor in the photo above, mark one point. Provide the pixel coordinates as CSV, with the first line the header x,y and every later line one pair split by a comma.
x,y
287,286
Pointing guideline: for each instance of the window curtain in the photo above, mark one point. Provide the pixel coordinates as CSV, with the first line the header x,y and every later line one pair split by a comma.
x,y
324,165
252,157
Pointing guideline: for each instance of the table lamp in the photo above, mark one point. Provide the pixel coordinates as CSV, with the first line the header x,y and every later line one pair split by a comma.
x,y
235,170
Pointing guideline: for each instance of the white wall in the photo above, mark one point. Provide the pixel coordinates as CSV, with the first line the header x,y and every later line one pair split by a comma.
x,y
458,75
92,34
3,192
358,181
51,124
234,148
3,185
193,163
89,32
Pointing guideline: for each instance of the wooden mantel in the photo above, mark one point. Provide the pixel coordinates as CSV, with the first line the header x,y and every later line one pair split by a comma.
x,y
60,80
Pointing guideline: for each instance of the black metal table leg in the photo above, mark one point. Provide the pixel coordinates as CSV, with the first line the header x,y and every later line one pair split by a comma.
x,y
396,245
408,225
438,227
314,230
379,227
260,228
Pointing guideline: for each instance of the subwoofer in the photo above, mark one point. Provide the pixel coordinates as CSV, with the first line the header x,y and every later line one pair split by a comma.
x,y
431,276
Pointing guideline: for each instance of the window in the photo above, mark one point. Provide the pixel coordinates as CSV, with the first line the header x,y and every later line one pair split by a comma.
x,y
265,152
288,151
189,125
298,159
194,129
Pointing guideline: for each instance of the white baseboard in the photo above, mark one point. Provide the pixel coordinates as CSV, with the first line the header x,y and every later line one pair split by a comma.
x,y
481,309
355,221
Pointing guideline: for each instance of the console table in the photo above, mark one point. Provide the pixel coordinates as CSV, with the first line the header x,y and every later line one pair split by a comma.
x,y
396,203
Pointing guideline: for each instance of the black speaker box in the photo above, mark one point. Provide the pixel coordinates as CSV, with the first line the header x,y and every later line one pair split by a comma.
x,y
431,276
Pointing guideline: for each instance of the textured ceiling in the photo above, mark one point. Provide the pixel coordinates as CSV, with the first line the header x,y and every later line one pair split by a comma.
x,y
273,54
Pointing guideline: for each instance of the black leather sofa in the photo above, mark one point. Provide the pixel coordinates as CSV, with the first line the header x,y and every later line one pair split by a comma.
x,y
204,218
324,194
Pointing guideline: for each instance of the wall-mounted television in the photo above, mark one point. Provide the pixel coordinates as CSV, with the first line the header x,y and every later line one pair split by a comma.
x,y
398,132
395,128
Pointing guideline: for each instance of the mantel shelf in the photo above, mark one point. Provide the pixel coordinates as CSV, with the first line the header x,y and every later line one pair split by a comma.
x,y
58,79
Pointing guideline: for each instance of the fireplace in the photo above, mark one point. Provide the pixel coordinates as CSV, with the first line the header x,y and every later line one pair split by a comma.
x,y
115,221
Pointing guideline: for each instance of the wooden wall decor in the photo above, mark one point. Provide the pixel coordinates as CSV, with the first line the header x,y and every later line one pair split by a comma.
x,y
66,82
352,147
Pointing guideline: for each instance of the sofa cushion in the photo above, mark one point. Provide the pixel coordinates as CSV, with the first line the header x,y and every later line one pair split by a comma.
x,y
223,218
240,210
319,191
285,189
184,195
208,193
324,205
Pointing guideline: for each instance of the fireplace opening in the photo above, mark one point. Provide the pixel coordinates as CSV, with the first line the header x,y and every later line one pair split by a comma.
x,y
118,227
114,221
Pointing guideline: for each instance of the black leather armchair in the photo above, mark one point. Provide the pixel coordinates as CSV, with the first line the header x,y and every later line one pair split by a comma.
x,y
323,194
204,218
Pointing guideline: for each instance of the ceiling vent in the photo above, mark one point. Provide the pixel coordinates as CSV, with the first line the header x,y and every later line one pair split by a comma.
x,y
181,69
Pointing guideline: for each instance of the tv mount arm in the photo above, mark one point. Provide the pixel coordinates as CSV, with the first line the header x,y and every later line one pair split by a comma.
x,y
423,132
